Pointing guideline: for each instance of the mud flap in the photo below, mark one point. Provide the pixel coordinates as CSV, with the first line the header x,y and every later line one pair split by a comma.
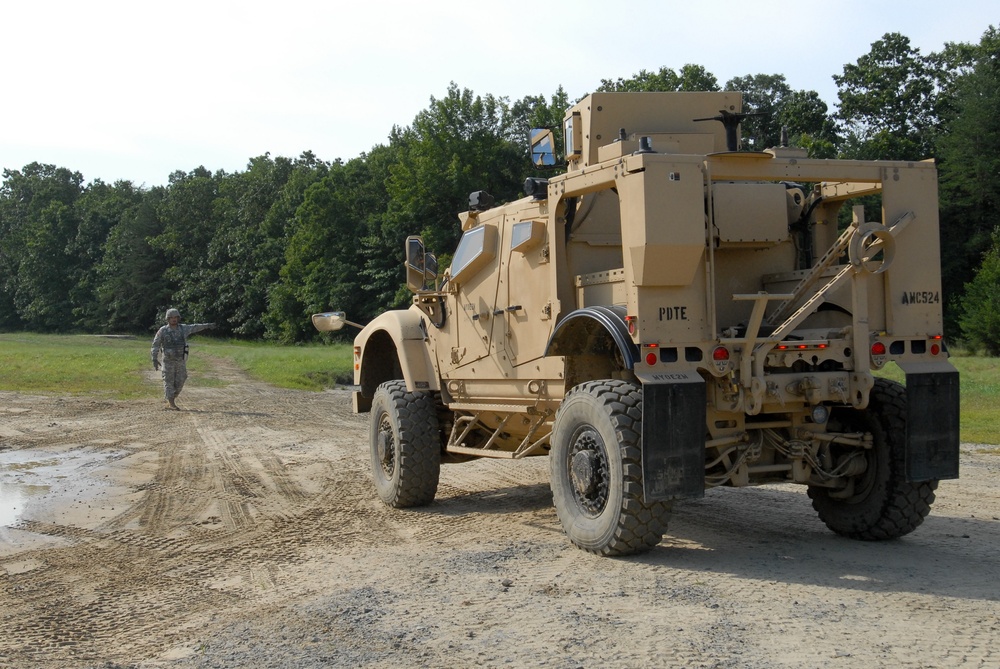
x,y
673,438
931,421
360,403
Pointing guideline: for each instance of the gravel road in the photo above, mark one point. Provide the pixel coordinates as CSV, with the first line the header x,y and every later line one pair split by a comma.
x,y
244,531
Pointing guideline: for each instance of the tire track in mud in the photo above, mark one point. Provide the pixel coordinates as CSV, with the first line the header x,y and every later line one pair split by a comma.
x,y
255,514
490,497
220,520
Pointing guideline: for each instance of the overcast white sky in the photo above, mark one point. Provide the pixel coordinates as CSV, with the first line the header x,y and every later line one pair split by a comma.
x,y
137,89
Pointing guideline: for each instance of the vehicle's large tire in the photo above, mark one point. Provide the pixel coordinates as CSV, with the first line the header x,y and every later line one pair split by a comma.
x,y
883,505
596,471
405,445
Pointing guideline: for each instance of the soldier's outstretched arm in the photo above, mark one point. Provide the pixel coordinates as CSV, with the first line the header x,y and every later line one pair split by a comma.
x,y
192,328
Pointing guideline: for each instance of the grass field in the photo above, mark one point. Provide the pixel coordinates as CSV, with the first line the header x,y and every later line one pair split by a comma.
x,y
112,366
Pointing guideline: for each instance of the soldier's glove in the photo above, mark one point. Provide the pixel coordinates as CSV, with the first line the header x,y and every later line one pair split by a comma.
x,y
156,365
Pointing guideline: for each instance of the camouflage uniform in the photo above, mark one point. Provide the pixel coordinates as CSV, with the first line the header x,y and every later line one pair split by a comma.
x,y
171,339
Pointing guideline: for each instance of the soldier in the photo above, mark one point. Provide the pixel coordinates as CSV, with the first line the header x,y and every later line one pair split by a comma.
x,y
172,340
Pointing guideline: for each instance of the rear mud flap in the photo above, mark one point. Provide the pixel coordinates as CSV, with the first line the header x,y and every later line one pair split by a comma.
x,y
673,439
931,422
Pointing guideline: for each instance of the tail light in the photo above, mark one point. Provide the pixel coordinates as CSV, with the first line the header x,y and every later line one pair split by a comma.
x,y
878,351
652,355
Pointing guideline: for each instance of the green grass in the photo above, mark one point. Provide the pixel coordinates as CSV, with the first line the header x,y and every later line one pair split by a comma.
x,y
75,365
116,367
979,382
310,367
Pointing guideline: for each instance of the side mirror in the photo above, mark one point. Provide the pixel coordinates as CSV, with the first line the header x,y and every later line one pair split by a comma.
x,y
421,267
542,142
331,321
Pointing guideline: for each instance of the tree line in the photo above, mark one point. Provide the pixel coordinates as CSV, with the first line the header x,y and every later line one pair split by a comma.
x,y
258,251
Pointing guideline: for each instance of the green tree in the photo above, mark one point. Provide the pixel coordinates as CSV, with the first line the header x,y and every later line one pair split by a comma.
x,y
980,305
887,102
44,280
323,259
381,249
132,283
763,94
100,209
190,222
969,163
253,211
809,124
460,144
691,78
38,223
534,111
801,113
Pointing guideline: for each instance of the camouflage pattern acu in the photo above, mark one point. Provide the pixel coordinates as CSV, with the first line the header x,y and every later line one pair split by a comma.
x,y
172,343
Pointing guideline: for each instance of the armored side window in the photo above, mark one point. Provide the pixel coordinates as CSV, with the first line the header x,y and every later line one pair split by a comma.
x,y
477,248
526,235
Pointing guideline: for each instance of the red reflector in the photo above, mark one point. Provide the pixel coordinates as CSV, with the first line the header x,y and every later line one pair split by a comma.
x,y
878,348
650,358
935,349
720,353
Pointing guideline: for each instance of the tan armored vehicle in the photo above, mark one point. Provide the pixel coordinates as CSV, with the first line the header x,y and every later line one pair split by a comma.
x,y
671,315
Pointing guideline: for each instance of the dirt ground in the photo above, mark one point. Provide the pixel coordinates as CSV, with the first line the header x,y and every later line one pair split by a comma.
x,y
244,531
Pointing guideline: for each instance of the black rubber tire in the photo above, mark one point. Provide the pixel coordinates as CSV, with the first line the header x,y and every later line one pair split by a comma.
x,y
407,465
884,505
599,424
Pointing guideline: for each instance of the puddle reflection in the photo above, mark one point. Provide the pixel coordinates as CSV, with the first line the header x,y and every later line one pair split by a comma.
x,y
28,476
14,500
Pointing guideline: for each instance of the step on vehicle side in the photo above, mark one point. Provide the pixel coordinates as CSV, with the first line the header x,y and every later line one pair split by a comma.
x,y
670,315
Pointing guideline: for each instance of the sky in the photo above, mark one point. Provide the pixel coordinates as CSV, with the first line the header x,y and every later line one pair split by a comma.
x,y
139,89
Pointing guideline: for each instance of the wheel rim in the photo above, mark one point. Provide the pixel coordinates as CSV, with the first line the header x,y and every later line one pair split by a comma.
x,y
386,446
588,470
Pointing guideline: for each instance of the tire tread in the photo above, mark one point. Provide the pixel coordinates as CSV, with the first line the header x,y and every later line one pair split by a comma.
x,y
904,505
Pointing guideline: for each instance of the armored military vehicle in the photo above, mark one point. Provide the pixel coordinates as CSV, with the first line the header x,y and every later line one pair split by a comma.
x,y
672,314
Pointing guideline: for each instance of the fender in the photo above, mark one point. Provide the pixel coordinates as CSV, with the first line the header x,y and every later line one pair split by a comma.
x,y
393,346
577,332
